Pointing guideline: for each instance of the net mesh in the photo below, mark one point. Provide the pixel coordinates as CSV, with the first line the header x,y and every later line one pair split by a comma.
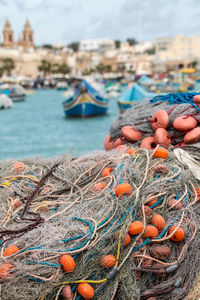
x,y
60,211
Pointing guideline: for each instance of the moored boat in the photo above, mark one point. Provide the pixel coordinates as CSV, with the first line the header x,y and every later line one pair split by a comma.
x,y
132,96
61,86
86,102
15,91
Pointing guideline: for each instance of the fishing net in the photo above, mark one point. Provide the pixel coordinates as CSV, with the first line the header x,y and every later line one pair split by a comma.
x,y
140,117
53,207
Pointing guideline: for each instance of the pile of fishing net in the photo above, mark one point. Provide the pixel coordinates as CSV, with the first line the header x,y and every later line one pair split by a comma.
x,y
108,225
167,120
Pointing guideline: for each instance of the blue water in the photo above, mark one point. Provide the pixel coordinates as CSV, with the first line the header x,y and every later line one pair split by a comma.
x,y
38,126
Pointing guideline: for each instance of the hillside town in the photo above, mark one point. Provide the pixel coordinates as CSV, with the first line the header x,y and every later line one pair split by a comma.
x,y
21,57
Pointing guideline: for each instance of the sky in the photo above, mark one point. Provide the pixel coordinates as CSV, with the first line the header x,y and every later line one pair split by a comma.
x,y
64,21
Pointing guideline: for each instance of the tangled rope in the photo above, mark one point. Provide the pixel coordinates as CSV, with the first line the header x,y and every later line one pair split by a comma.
x,y
85,216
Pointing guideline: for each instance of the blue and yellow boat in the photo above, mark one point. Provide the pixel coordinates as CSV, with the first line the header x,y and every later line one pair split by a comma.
x,y
131,96
86,102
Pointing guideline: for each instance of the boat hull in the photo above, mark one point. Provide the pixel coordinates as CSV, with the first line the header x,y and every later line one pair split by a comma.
x,y
85,110
17,98
123,106
84,106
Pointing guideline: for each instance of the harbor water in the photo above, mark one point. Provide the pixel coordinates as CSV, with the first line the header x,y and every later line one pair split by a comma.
x,y
38,126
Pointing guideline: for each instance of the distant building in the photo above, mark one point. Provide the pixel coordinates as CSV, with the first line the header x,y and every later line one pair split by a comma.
x,y
96,45
26,40
8,35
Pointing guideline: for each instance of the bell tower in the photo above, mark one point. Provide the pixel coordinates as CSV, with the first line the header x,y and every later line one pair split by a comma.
x,y
28,36
8,35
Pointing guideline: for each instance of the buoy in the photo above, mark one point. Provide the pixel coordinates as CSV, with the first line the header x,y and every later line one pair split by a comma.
x,y
12,249
120,141
150,231
198,194
99,186
196,99
162,137
148,211
161,168
160,251
174,204
184,123
131,151
192,136
158,221
120,148
152,202
131,134
160,153
123,189
68,263
16,203
148,143
107,261
18,167
135,228
106,172
127,240
160,120
108,144
85,290
5,270
179,234
67,293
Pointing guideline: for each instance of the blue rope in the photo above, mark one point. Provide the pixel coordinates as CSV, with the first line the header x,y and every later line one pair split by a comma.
x,y
177,98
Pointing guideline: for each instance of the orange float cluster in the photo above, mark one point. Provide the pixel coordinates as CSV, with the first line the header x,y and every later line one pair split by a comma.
x,y
186,126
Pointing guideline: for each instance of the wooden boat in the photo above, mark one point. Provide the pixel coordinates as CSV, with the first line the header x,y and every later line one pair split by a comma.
x,y
86,102
62,86
132,96
15,91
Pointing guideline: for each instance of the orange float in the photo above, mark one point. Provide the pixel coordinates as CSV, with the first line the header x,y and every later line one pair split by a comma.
x,y
160,120
5,270
160,153
120,141
12,249
152,202
131,134
135,228
85,290
106,172
130,151
158,221
148,211
196,99
198,194
67,293
68,263
179,234
127,240
99,186
184,123
123,189
151,232
174,204
192,136
120,148
108,144
161,169
16,203
162,137
107,261
148,143
18,167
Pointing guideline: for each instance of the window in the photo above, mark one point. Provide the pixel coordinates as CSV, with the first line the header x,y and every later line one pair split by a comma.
x,y
10,37
30,38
